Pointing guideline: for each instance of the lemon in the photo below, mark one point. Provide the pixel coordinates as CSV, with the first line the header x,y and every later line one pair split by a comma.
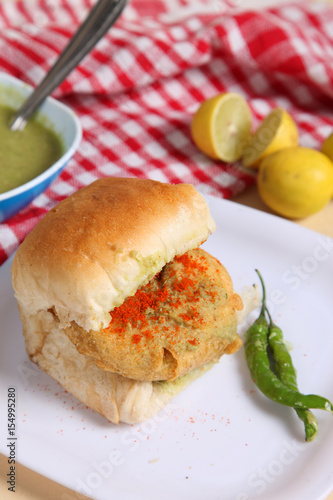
x,y
296,182
221,126
277,131
327,147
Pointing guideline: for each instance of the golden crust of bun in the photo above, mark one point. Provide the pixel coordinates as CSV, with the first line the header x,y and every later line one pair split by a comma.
x,y
105,241
183,318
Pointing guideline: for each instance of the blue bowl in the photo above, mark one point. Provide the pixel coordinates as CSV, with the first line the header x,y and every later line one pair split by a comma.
x,y
61,120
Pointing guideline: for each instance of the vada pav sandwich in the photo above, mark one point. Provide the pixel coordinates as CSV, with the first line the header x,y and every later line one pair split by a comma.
x,y
118,303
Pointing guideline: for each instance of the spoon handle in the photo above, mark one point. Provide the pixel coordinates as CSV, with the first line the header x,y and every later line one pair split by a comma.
x,y
101,17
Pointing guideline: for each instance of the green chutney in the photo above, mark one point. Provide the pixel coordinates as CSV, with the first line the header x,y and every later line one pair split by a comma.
x,y
26,153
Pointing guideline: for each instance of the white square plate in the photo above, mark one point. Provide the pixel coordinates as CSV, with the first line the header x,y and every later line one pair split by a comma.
x,y
220,439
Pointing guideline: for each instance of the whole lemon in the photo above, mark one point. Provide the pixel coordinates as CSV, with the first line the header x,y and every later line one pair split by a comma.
x,y
296,182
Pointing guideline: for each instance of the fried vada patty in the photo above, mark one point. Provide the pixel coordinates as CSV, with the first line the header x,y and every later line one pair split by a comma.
x,y
184,317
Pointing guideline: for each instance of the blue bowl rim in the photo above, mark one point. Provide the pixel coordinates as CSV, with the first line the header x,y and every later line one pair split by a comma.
x,y
62,160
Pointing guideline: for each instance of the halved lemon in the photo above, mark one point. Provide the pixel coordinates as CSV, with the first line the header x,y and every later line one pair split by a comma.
x,y
327,147
277,131
221,126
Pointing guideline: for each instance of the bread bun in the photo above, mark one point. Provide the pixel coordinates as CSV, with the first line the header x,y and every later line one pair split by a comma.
x,y
105,241
95,252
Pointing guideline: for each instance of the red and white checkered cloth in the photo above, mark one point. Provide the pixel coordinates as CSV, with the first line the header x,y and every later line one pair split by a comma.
x,y
136,92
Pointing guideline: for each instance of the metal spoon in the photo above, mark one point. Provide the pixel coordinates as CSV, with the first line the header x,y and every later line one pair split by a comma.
x,y
101,17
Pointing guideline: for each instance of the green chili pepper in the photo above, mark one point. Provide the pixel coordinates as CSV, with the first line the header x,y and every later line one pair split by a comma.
x,y
287,374
256,345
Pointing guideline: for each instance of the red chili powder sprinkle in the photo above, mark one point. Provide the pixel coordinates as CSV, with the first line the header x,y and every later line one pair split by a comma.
x,y
136,338
134,309
191,264
184,284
